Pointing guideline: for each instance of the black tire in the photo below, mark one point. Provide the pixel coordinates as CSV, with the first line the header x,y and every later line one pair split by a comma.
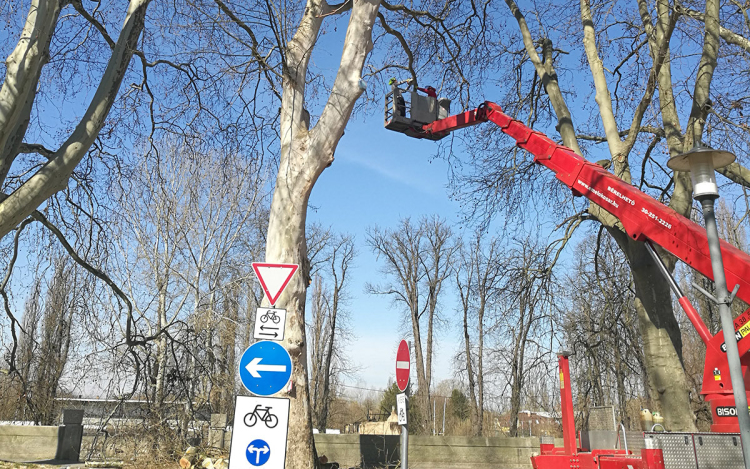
x,y
272,421
250,419
275,319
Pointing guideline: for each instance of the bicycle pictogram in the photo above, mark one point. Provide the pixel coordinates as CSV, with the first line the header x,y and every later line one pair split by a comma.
x,y
263,414
270,314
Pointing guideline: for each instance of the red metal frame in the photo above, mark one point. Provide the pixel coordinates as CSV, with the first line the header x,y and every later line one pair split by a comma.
x,y
569,456
644,219
566,399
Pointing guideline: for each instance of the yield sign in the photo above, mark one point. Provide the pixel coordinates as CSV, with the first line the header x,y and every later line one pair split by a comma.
x,y
403,362
274,278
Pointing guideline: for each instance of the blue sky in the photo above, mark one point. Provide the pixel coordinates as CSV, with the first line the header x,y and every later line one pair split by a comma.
x,y
377,178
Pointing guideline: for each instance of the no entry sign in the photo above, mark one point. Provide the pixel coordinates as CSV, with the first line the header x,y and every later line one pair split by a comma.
x,y
402,366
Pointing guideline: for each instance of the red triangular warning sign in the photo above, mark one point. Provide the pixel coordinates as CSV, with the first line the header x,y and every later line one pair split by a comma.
x,y
274,278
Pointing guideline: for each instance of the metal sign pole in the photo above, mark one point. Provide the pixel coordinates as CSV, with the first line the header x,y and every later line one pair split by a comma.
x,y
405,436
403,360
724,299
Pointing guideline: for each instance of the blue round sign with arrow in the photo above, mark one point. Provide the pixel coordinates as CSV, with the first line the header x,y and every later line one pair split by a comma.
x,y
265,368
258,452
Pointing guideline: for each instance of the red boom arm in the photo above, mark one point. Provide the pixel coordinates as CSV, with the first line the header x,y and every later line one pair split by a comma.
x,y
644,219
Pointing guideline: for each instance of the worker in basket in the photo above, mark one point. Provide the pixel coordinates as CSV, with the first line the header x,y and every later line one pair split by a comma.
x,y
400,103
429,91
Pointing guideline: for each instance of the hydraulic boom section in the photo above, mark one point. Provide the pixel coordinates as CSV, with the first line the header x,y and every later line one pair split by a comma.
x,y
644,219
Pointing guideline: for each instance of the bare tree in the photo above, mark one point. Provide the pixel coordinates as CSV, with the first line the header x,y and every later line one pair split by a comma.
x,y
417,259
522,325
478,275
601,329
185,236
61,304
328,315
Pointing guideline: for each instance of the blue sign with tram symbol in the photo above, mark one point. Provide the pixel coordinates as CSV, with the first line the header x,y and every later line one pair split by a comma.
x,y
265,368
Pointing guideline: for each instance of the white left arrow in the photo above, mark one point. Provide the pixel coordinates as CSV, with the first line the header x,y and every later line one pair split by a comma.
x,y
254,367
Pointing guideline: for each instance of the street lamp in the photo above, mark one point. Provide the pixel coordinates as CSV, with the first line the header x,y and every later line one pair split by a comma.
x,y
701,162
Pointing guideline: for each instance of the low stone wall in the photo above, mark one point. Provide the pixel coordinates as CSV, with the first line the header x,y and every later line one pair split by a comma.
x,y
28,443
432,452
428,452
40,443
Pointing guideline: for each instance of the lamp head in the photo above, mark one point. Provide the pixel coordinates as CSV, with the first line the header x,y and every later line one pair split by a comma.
x,y
701,163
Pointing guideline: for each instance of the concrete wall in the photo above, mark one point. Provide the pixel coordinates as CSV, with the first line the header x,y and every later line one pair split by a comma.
x,y
28,443
36,443
429,452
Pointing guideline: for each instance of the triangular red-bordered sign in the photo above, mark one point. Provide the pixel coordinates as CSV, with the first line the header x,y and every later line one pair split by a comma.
x,y
274,278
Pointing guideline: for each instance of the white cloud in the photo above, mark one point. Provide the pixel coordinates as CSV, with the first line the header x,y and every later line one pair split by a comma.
x,y
403,177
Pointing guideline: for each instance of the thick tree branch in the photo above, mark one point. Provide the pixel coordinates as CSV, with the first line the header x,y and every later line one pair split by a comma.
x,y
294,117
706,67
729,36
36,148
681,200
23,69
546,73
623,133
736,173
603,97
648,94
347,87
53,177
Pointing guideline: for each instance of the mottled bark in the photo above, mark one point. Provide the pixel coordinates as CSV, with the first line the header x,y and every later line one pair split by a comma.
x,y
305,153
23,69
660,332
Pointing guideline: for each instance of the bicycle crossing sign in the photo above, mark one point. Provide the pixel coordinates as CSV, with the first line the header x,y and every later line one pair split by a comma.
x,y
402,409
269,324
259,433
265,368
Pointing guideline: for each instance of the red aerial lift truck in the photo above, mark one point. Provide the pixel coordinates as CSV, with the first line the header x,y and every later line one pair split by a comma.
x,y
644,219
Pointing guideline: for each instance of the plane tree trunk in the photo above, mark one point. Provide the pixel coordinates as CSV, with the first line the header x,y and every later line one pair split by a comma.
x,y
305,153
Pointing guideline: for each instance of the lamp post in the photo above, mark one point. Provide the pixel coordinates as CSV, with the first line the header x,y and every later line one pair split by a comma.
x,y
701,162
